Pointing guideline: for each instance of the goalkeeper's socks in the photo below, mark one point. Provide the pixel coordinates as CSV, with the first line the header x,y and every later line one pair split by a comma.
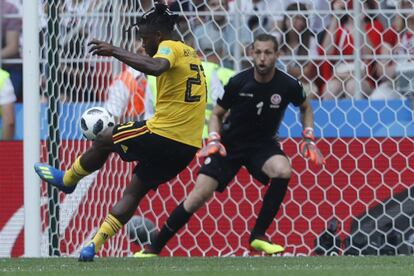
x,y
74,174
271,204
109,227
178,218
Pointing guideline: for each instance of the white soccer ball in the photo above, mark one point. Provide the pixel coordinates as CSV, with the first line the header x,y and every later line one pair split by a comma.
x,y
94,120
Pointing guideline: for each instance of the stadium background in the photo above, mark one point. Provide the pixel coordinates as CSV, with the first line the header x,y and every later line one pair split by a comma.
x,y
368,144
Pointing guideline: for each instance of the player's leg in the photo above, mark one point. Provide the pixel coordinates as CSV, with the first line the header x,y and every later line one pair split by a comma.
x,y
91,160
125,208
131,141
215,174
202,192
160,159
278,169
120,214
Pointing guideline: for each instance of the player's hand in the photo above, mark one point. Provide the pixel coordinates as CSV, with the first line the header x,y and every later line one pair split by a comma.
x,y
101,48
308,148
213,146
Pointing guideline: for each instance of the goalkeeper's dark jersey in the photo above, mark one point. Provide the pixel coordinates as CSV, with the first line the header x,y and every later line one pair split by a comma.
x,y
257,109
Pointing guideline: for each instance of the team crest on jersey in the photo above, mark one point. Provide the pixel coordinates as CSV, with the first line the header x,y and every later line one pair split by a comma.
x,y
275,100
207,161
164,51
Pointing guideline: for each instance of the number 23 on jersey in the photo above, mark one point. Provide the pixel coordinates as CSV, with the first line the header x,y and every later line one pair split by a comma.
x,y
194,81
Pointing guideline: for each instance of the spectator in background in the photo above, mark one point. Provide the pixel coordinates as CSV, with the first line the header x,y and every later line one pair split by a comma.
x,y
186,5
77,26
400,35
216,34
338,40
264,15
254,17
10,34
126,94
189,18
386,69
184,28
398,41
257,16
320,17
216,77
144,5
73,39
298,44
7,100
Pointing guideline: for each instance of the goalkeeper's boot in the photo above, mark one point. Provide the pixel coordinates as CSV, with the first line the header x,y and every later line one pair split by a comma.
x,y
87,253
145,253
53,177
266,246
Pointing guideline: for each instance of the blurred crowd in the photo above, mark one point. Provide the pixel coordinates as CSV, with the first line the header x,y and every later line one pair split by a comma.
x,y
335,54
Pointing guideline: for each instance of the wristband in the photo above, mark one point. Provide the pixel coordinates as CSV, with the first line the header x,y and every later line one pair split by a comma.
x,y
213,136
308,133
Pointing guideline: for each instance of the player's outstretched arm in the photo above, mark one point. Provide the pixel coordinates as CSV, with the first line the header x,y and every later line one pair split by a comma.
x,y
213,142
143,63
308,148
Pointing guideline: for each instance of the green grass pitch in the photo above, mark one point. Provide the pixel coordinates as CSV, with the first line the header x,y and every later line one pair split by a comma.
x,y
197,266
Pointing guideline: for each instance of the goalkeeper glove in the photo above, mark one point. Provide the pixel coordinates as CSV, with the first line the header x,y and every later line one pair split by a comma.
x,y
309,149
213,146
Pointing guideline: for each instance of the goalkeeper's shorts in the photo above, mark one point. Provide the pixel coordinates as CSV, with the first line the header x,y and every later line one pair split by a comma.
x,y
159,158
224,169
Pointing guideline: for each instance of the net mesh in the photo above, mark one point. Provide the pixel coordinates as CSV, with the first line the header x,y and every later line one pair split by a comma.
x,y
359,203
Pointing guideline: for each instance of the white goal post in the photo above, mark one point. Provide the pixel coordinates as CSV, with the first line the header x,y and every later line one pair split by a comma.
x,y
31,149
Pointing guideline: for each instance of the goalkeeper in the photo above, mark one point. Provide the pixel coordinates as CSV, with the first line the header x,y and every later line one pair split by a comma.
x,y
257,99
166,143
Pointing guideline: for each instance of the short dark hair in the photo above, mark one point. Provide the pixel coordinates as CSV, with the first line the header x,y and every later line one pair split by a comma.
x,y
160,18
267,37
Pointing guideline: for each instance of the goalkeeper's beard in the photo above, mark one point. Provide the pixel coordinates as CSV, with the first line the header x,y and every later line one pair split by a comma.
x,y
263,70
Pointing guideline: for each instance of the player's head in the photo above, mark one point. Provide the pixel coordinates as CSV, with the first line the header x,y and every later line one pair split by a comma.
x,y
265,51
218,7
295,22
155,26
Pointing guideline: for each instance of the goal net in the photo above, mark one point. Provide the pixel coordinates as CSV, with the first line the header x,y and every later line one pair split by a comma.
x,y
355,63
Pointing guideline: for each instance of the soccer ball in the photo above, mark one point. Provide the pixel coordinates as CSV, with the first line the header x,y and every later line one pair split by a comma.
x,y
94,120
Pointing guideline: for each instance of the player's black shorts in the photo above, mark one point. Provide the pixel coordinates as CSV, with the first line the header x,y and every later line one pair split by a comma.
x,y
159,159
224,169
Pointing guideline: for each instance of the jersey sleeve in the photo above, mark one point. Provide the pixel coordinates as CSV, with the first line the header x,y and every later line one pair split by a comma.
x,y
226,99
298,95
168,50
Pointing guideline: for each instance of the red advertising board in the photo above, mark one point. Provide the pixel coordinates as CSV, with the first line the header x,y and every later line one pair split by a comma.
x,y
359,174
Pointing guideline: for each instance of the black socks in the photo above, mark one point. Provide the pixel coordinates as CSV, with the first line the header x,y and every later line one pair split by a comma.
x,y
178,218
271,204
